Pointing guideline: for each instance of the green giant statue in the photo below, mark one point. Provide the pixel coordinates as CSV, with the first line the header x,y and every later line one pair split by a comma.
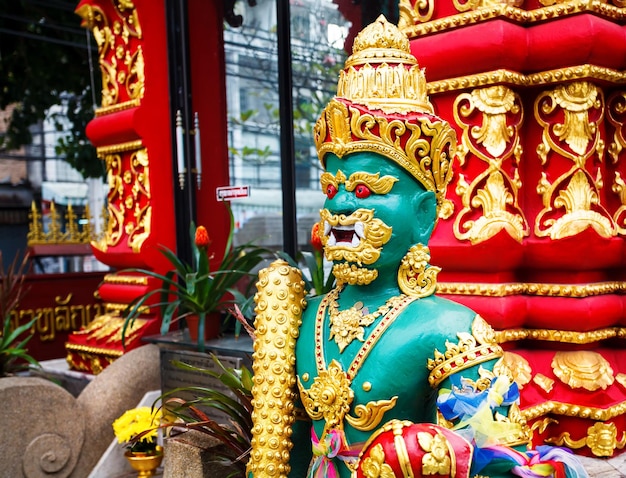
x,y
379,377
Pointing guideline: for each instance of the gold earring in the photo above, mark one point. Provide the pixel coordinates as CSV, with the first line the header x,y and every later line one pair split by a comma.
x,y
416,277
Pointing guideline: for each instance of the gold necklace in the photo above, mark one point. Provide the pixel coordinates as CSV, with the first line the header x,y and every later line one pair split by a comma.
x,y
349,324
331,396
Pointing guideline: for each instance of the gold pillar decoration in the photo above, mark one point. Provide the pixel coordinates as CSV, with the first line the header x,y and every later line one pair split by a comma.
x,y
74,233
279,305
411,14
616,116
54,233
462,6
139,229
121,62
129,195
490,119
601,439
87,233
570,115
545,383
515,367
71,225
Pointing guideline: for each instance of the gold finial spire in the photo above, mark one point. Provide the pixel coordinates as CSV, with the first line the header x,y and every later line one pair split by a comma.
x,y
382,73
382,107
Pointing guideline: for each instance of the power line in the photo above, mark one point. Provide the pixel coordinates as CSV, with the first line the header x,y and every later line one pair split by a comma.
x,y
45,24
43,38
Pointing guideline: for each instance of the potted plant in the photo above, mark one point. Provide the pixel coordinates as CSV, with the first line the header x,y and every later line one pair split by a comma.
x,y
235,431
138,429
195,290
14,356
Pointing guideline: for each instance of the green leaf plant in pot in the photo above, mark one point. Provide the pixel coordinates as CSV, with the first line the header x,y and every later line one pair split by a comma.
x,y
195,290
14,356
228,392
233,400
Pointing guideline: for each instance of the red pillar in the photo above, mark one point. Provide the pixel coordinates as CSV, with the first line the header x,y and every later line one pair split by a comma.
x,y
132,132
535,243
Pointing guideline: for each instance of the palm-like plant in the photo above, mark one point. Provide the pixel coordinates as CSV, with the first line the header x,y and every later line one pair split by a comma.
x,y
194,288
14,355
236,433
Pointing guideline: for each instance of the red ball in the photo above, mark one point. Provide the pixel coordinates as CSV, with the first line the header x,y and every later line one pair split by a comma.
x,y
423,448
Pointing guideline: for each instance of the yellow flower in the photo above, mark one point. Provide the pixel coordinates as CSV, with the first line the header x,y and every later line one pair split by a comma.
x,y
135,421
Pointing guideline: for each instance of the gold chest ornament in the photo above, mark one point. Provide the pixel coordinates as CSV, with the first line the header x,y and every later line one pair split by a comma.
x,y
349,324
330,397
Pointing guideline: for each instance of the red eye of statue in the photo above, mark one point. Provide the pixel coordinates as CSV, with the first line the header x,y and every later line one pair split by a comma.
x,y
331,190
362,191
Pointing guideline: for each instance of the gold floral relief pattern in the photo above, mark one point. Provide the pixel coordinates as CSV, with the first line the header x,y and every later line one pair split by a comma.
x,y
490,119
616,116
515,367
601,439
117,33
570,115
374,465
544,383
330,397
411,14
436,460
464,6
583,369
128,199
476,11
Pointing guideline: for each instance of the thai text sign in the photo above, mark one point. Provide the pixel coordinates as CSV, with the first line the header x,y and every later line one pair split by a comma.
x,y
232,192
61,303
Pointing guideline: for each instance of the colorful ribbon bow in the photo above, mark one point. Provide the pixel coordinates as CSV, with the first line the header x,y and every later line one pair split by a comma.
x,y
331,446
544,461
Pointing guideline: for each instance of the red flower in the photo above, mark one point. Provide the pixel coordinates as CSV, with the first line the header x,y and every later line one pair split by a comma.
x,y
202,237
316,240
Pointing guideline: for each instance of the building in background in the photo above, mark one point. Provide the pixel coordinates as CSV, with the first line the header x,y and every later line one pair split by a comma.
x,y
318,32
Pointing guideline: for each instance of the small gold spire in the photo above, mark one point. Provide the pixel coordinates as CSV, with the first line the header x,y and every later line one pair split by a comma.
x,y
382,73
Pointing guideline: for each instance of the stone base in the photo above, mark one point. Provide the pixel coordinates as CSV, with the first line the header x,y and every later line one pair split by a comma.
x,y
191,455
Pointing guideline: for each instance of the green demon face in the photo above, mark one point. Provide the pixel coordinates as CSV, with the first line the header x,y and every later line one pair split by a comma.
x,y
374,212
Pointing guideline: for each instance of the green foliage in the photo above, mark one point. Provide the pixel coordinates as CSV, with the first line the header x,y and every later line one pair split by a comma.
x,y
317,282
195,288
14,355
44,61
236,434
78,150
315,69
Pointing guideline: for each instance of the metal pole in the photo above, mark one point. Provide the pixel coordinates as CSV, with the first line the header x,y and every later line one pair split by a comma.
x,y
180,100
287,155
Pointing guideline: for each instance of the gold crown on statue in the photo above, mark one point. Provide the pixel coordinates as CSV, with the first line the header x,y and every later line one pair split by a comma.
x,y
382,73
382,107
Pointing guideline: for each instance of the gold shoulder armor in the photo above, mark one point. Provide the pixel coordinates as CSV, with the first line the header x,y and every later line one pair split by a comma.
x,y
471,349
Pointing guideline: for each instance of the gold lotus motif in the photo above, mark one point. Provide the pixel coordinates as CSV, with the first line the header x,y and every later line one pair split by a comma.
x,y
582,369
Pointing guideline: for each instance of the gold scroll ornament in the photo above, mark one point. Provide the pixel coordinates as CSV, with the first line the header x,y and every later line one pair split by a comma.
x,y
279,305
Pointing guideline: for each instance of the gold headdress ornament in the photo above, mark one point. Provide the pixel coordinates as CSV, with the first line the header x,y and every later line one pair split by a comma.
x,y
382,107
